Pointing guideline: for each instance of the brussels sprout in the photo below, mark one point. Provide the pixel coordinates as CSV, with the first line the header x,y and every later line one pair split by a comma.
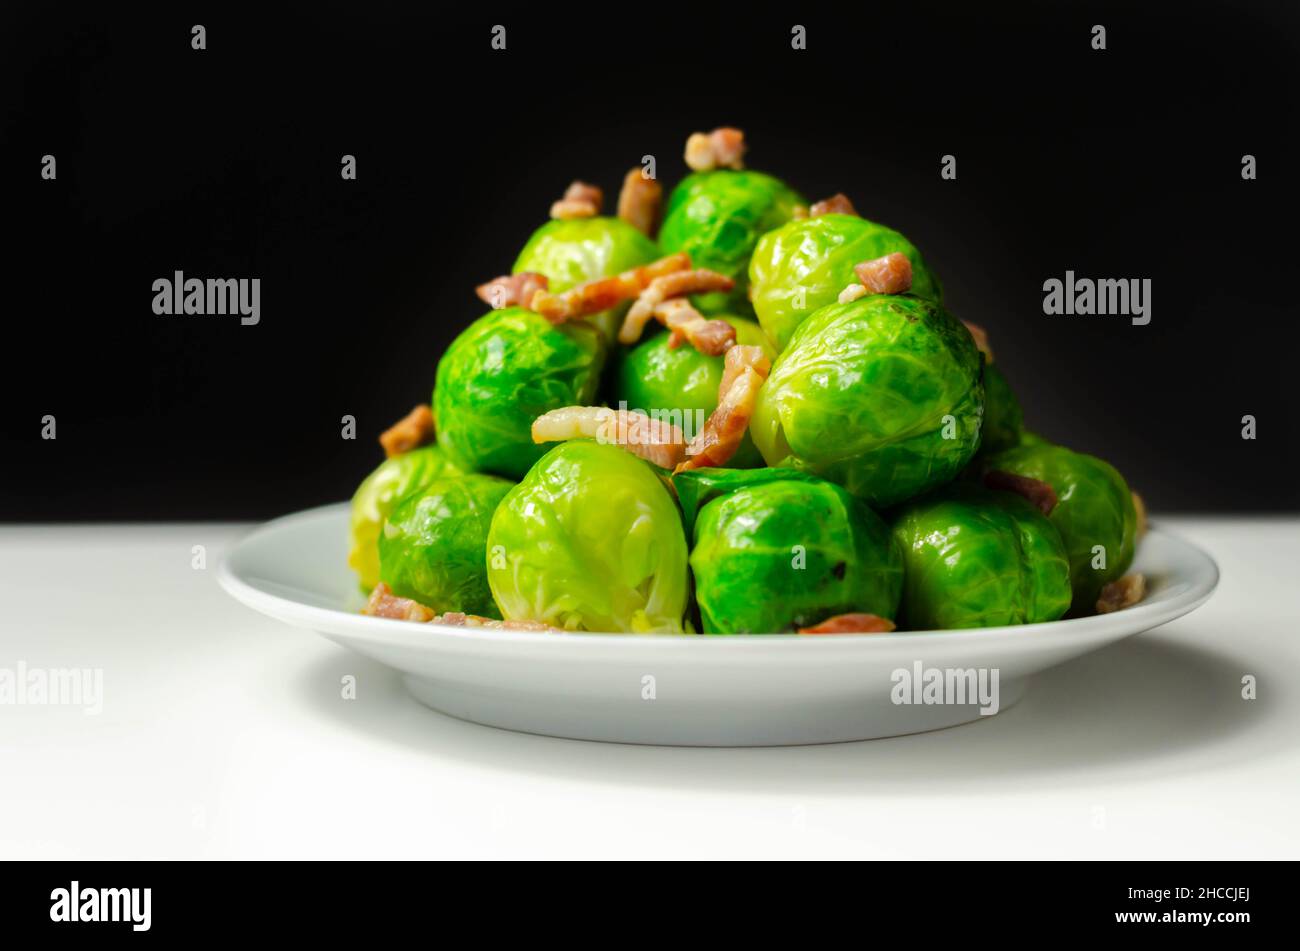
x,y
1004,422
717,217
775,550
571,251
881,395
804,265
684,382
976,558
1094,513
503,371
590,540
394,479
433,547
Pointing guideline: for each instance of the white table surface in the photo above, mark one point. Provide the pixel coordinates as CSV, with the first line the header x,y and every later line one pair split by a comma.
x,y
224,735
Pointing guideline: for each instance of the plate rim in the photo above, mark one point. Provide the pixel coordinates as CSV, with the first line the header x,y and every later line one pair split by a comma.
x,y
1140,617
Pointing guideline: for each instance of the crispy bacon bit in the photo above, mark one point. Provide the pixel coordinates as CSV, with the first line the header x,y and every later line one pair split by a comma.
x,y
851,624
591,297
728,147
580,201
710,337
676,284
1124,593
383,603
457,619
1042,495
639,201
743,373
519,625
722,148
837,204
1140,507
852,293
511,290
891,274
738,360
412,431
654,440
799,212
699,152
584,191
981,340
565,210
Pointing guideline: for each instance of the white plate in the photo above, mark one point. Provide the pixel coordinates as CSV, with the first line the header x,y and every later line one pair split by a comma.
x,y
756,690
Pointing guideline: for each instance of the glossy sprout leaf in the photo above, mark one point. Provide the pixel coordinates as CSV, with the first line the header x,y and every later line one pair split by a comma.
x,y
590,540
394,479
787,551
1004,421
503,371
433,547
683,383
571,251
976,558
717,218
804,265
695,488
1094,513
881,395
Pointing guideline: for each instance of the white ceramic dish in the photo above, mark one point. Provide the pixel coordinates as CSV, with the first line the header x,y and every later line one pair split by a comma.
x,y
758,690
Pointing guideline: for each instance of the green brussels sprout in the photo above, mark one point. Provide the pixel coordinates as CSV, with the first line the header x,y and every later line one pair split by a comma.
x,y
1094,513
571,251
503,371
977,558
683,383
881,395
590,540
1004,421
717,217
388,484
775,550
804,265
433,547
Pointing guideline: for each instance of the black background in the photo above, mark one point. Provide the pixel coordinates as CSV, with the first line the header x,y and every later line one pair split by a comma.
x,y
1124,163
328,902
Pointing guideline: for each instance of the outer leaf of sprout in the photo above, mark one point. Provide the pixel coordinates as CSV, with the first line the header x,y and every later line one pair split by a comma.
x,y
881,395
775,550
717,218
977,558
804,265
684,382
1004,421
433,546
1094,508
575,250
590,540
503,371
389,483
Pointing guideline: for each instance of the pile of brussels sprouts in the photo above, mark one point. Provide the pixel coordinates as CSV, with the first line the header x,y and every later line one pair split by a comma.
x,y
885,480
